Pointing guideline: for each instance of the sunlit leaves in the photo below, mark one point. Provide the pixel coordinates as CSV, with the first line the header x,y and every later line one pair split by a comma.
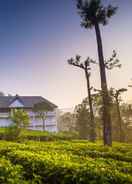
x,y
65,162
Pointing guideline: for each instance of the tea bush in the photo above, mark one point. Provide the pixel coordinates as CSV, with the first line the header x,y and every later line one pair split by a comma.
x,y
9,173
6,133
70,162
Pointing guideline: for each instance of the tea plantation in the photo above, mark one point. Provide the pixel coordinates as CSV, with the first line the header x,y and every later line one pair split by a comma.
x,y
64,162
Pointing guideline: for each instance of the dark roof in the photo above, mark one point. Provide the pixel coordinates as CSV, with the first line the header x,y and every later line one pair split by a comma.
x,y
27,101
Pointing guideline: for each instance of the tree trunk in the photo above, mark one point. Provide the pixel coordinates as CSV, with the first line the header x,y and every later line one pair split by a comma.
x,y
43,124
121,133
106,103
92,121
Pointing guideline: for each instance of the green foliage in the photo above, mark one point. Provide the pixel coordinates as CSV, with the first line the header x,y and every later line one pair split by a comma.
x,y
86,66
82,122
67,122
125,115
9,173
48,136
20,120
93,12
12,132
37,135
77,162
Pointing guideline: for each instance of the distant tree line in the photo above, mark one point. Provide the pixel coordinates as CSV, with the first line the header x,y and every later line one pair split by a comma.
x,y
121,116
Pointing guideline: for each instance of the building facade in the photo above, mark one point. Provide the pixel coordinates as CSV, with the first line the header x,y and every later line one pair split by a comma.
x,y
27,103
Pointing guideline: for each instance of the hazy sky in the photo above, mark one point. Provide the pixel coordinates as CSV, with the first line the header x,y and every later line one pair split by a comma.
x,y
38,36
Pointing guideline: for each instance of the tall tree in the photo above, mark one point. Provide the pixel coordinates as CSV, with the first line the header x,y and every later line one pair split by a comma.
x,y
93,13
85,66
97,104
116,93
83,120
126,112
67,122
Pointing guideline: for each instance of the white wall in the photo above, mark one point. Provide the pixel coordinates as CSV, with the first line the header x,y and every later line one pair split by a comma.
x,y
35,123
50,122
5,122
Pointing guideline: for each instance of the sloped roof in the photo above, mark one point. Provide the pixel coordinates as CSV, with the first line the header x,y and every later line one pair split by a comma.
x,y
27,101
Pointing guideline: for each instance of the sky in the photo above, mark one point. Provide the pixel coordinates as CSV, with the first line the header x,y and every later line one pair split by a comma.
x,y
37,37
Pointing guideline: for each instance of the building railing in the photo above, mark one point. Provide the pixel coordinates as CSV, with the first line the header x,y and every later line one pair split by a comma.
x,y
33,114
4,114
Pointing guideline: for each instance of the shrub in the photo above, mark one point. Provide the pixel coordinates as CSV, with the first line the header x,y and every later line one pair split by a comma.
x,y
20,120
10,174
76,162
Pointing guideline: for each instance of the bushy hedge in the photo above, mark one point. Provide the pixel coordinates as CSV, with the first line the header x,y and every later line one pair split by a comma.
x,y
48,136
65,162
9,173
7,134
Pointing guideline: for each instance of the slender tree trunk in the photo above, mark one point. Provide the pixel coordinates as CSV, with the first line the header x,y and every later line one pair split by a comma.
x,y
92,121
121,133
43,124
106,104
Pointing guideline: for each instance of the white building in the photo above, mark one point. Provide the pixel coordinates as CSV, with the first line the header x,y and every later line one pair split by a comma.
x,y
27,103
